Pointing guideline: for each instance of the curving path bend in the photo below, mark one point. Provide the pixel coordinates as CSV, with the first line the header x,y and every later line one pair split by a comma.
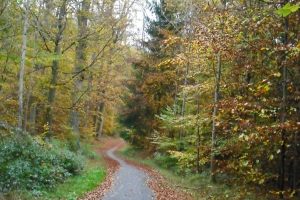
x,y
129,183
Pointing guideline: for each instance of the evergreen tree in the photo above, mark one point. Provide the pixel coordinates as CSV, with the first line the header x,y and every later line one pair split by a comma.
x,y
154,85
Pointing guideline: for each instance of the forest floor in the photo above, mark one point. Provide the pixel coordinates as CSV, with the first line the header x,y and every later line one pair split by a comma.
x,y
157,183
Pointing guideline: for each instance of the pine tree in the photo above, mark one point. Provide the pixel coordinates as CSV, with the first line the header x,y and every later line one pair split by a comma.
x,y
153,88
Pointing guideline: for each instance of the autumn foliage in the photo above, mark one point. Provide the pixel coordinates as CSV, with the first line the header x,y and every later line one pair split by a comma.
x,y
255,44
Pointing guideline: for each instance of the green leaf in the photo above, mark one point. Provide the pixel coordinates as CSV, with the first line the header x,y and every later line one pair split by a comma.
x,y
287,10
267,88
283,12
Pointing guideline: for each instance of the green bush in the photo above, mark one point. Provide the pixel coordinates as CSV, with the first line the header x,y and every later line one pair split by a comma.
x,y
86,150
28,163
126,134
165,161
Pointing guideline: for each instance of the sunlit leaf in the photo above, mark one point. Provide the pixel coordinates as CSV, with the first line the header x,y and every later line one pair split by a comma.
x,y
287,10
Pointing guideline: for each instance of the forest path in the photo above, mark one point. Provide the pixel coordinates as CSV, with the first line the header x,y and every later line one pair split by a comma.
x,y
129,183
126,179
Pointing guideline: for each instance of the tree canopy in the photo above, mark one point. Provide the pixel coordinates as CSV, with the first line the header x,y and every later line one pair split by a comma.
x,y
212,87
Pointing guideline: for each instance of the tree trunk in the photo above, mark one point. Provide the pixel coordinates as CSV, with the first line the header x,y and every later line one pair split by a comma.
x,y
25,28
281,173
198,122
189,30
51,96
32,118
214,134
101,121
80,63
87,103
216,100
27,105
30,85
96,119
181,132
296,164
54,72
198,131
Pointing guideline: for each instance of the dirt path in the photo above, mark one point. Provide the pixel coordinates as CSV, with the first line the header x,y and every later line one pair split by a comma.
x,y
121,174
129,182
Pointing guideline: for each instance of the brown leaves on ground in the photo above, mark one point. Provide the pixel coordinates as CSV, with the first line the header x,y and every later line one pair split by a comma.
x,y
111,167
157,182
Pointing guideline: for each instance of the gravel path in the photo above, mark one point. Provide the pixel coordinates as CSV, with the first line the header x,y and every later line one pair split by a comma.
x,y
129,182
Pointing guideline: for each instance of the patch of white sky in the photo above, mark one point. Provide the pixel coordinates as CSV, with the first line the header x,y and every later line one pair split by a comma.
x,y
137,29
138,9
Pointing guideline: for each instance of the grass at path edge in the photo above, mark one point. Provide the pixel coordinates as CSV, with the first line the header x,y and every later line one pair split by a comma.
x,y
77,186
198,185
72,188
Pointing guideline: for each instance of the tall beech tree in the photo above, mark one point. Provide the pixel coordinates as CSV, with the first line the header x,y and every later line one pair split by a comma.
x,y
80,63
25,28
60,27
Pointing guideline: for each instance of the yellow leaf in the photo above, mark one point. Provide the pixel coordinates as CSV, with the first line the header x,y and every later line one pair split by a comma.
x,y
235,128
205,8
292,194
261,181
278,74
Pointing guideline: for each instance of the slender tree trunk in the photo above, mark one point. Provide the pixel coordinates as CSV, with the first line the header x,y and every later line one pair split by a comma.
x,y
32,117
198,123
215,112
181,132
87,103
189,15
21,78
27,104
296,164
29,88
214,134
96,119
282,146
283,113
101,121
176,92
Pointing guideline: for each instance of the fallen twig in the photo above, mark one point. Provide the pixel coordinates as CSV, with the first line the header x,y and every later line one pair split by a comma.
x,y
191,188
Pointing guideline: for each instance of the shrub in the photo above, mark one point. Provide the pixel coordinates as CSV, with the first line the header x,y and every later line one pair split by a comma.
x,y
126,134
29,163
165,161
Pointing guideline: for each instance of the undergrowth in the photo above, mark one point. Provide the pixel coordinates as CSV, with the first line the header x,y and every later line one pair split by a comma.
x,y
33,169
197,183
77,186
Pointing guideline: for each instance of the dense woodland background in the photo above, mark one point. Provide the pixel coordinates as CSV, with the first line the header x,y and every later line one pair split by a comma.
x,y
211,87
